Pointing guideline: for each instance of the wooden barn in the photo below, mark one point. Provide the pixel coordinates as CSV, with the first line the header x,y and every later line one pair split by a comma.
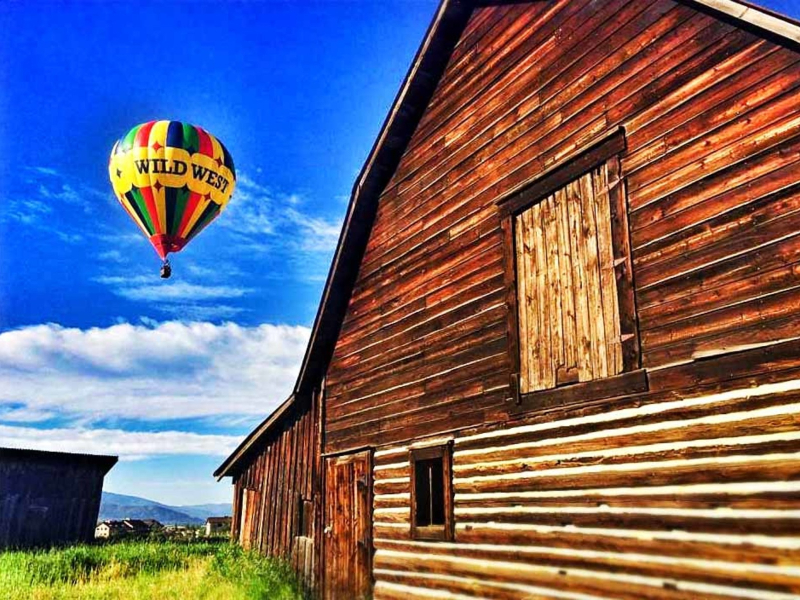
x,y
49,498
558,351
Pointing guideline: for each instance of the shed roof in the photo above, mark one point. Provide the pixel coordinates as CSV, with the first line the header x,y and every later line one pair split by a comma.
x,y
102,461
407,109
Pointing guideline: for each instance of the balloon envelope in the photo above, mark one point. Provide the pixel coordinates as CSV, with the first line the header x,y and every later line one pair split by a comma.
x,y
173,179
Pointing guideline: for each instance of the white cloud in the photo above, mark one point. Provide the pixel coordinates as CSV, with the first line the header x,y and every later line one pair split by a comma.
x,y
27,212
23,414
45,171
126,239
174,370
112,256
69,238
180,291
128,445
257,211
198,312
222,270
253,209
68,194
179,298
63,194
319,235
43,198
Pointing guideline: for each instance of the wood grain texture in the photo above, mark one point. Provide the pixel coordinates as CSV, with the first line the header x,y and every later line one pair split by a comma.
x,y
347,533
661,282
692,496
579,217
702,190
279,480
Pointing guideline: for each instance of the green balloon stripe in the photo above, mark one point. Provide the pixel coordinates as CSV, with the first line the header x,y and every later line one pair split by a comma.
x,y
127,141
209,214
190,140
137,195
180,208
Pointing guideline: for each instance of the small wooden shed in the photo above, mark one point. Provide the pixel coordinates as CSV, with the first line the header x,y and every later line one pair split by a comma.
x,y
49,498
558,350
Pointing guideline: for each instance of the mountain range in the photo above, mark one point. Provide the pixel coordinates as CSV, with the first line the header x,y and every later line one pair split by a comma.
x,y
120,506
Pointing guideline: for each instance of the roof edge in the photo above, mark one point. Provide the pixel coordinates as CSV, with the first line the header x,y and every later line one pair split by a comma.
x,y
104,461
225,469
441,37
761,18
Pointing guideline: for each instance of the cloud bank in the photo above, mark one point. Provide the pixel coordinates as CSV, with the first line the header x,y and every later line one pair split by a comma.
x,y
171,370
128,445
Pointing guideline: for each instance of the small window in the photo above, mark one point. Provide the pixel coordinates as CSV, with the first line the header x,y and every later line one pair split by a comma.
x,y
431,493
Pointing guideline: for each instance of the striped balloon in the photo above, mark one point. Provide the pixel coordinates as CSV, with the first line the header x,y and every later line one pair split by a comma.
x,y
173,179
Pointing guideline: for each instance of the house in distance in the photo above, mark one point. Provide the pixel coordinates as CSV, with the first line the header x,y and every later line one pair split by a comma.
x,y
111,528
557,351
49,498
217,526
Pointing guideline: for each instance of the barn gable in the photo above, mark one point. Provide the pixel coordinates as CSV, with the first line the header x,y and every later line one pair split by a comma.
x,y
698,98
560,328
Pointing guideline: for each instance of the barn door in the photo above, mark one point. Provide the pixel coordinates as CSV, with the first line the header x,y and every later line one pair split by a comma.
x,y
348,527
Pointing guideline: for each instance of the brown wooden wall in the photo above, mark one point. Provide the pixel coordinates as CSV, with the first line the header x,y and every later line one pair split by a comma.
x,y
660,496
713,156
690,489
281,481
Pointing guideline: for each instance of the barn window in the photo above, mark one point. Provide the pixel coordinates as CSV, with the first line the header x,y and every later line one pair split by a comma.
x,y
431,493
572,319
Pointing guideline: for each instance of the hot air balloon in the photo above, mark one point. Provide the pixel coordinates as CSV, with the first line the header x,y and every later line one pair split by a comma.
x,y
172,179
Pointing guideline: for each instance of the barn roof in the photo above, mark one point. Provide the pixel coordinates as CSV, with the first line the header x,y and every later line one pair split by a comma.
x,y
102,461
415,92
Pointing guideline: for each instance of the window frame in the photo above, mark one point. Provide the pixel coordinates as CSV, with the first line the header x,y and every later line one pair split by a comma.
x,y
443,532
633,378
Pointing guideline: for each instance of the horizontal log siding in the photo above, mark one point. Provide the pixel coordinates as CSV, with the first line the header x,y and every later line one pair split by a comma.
x,y
280,473
660,496
712,165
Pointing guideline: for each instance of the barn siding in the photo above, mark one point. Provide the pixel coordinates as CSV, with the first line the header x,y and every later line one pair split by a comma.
x,y
713,157
692,496
281,479
687,490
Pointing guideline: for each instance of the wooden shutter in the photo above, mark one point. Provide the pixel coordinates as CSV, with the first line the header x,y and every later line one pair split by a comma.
x,y
567,299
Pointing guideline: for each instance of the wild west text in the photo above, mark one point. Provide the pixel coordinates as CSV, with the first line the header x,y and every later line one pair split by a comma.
x,y
179,167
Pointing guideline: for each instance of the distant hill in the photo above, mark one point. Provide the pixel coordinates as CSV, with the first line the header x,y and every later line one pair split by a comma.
x,y
203,511
120,506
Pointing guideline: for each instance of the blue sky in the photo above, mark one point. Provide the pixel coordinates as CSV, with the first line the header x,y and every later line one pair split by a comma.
x,y
97,354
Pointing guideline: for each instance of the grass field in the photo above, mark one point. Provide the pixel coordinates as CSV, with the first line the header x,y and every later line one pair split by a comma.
x,y
140,570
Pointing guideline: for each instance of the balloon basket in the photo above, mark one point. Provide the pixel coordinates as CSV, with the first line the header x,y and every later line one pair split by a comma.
x,y
166,270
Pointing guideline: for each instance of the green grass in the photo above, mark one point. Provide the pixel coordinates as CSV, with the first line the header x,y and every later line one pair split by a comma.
x,y
140,570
